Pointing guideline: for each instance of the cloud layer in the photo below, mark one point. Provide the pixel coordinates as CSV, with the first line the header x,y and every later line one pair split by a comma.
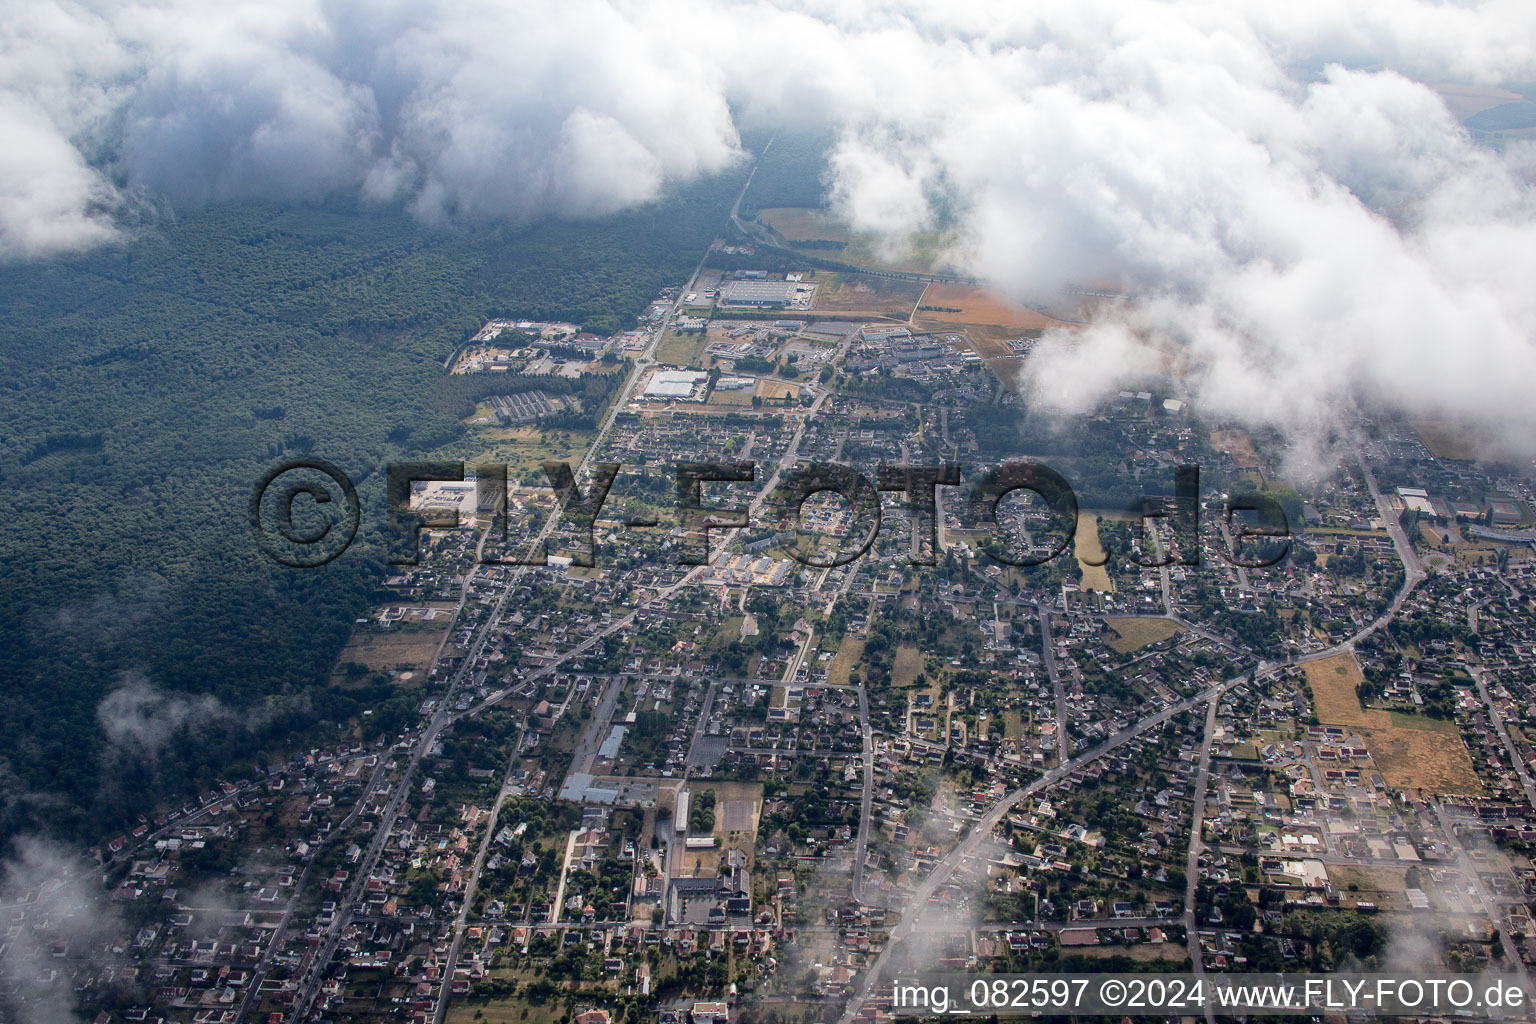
x,y
1303,226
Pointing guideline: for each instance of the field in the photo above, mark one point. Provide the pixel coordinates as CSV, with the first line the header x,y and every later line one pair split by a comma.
x,y
1142,952
1446,440
982,307
1237,444
848,654
771,390
801,224
523,448
1410,751
738,805
862,293
1381,884
412,645
1088,549
1139,631
681,349
908,665
738,397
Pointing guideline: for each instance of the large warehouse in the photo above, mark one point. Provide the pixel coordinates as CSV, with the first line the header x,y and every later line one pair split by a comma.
x,y
677,384
757,293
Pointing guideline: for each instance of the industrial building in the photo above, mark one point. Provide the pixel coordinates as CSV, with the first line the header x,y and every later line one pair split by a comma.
x,y
684,385
758,293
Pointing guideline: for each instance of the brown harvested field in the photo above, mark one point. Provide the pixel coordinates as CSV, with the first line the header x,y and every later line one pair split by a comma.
x,y
863,293
1237,444
1410,751
768,390
411,647
982,307
908,665
1136,632
1334,682
847,659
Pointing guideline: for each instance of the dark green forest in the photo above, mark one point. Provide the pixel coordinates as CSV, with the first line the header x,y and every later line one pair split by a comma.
x,y
145,388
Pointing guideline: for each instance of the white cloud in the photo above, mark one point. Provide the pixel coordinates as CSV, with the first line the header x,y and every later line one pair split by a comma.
x,y
1301,237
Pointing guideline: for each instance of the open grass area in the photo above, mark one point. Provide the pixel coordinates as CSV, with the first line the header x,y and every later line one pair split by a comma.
x,y
735,397
1088,549
681,349
1410,751
772,390
1334,683
908,665
921,253
411,645
863,293
524,448
1142,952
1136,632
847,659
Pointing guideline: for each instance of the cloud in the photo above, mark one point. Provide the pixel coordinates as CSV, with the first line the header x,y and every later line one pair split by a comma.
x,y
59,906
1302,226
139,720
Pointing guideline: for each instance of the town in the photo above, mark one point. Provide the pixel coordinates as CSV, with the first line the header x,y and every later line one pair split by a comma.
x,y
713,770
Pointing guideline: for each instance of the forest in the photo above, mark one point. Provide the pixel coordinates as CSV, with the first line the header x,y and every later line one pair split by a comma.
x,y
144,388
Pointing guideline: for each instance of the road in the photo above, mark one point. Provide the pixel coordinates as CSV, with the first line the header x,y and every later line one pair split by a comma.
x,y
1515,759
618,405
866,801
1048,649
1405,552
1197,846
1469,869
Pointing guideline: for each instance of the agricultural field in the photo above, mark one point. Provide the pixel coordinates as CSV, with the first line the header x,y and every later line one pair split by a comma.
x,y
1136,632
865,294
410,646
1410,751
921,254
1466,100
981,307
